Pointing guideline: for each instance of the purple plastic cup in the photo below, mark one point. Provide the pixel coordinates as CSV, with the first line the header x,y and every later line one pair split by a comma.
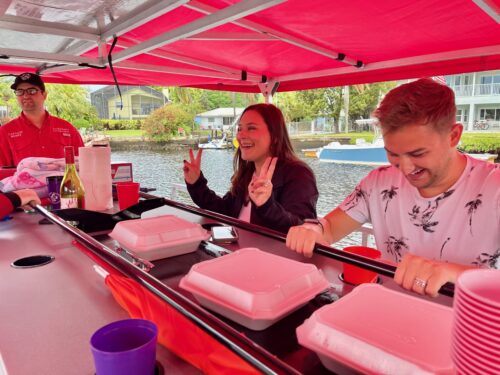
x,y
54,188
125,347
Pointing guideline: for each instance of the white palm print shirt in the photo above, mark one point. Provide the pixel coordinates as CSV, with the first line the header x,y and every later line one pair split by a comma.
x,y
461,225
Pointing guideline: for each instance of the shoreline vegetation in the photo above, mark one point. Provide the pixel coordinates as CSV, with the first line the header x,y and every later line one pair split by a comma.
x,y
472,142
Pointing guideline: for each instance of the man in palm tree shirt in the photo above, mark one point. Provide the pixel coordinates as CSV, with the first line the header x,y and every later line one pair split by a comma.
x,y
435,211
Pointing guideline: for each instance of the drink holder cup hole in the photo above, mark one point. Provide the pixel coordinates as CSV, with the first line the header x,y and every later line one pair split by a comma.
x,y
32,261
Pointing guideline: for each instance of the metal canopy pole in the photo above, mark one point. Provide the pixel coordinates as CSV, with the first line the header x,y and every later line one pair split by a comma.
x,y
268,88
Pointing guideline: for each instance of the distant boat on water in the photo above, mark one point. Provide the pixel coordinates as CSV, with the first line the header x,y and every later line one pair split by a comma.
x,y
216,144
363,153
310,152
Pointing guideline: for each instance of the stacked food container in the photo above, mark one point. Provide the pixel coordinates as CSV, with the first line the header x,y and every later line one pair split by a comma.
x,y
476,325
376,330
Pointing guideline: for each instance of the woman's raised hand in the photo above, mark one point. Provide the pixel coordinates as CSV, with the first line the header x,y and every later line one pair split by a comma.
x,y
261,187
192,169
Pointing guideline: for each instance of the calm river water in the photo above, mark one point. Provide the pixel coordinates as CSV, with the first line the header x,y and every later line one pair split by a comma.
x,y
160,170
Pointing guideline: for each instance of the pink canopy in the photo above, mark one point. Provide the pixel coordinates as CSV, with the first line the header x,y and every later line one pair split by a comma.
x,y
249,45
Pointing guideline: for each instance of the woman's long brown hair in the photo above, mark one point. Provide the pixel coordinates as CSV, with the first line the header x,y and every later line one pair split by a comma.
x,y
281,146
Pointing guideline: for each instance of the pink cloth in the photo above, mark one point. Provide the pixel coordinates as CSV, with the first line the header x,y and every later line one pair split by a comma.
x,y
31,173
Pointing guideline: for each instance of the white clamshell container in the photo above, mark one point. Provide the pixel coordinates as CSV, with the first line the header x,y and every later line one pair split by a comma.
x,y
376,330
159,237
252,287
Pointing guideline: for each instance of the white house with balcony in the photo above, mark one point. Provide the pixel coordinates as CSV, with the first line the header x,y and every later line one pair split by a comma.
x,y
477,96
218,118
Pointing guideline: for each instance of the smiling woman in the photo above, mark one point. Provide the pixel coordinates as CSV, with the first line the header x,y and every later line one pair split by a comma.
x,y
270,186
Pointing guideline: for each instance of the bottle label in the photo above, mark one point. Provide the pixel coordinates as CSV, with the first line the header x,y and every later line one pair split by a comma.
x,y
69,202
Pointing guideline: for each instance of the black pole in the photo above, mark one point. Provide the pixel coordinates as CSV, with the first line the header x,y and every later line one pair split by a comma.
x,y
246,349
356,260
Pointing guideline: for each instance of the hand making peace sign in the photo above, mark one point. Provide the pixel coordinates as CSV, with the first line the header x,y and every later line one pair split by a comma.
x,y
192,169
261,187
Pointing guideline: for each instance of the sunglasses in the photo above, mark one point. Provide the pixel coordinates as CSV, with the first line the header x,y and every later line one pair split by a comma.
x,y
31,91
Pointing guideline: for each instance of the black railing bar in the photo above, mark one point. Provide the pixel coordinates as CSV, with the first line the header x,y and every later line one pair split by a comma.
x,y
328,251
248,350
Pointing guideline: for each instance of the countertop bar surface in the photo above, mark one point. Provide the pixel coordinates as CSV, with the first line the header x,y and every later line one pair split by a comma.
x,y
48,313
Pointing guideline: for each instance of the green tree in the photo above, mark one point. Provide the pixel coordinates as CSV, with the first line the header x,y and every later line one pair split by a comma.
x,y
198,100
364,98
70,103
163,123
8,99
289,104
309,104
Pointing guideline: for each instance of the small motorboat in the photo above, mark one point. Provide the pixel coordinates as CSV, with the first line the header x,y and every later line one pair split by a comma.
x,y
362,152
216,144
310,152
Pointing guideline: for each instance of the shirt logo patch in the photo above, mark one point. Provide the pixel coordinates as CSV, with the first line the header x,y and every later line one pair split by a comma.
x,y
60,130
16,134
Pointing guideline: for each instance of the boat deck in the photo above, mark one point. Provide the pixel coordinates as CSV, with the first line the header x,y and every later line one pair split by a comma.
x,y
49,313
54,309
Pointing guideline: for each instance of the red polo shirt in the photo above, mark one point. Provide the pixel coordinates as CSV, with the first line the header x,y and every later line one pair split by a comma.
x,y
20,139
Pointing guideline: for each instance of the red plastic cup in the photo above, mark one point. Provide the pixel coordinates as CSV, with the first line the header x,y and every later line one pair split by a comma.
x,y
125,347
356,275
128,194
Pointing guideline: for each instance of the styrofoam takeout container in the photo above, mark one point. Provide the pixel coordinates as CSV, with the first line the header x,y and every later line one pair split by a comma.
x,y
252,287
376,330
159,237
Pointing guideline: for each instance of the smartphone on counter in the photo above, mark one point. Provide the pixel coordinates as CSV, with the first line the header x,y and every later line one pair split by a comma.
x,y
224,234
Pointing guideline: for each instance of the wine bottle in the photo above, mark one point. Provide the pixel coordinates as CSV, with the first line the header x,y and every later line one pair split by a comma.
x,y
72,192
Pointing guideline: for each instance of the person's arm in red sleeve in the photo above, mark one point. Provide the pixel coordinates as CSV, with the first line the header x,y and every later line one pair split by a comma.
x,y
10,201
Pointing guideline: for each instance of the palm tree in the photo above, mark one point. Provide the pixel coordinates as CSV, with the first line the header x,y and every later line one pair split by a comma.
x,y
472,206
442,247
395,245
490,260
354,197
388,194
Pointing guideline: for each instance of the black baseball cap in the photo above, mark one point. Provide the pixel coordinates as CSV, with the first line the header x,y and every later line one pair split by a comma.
x,y
32,78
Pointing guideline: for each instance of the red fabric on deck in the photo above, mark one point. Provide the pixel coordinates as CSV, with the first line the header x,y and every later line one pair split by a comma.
x,y
176,332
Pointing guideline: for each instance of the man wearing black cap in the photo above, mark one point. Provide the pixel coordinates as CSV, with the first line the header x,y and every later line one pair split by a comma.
x,y
35,132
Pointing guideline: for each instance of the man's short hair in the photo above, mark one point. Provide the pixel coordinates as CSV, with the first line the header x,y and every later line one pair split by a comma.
x,y
424,102
32,78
